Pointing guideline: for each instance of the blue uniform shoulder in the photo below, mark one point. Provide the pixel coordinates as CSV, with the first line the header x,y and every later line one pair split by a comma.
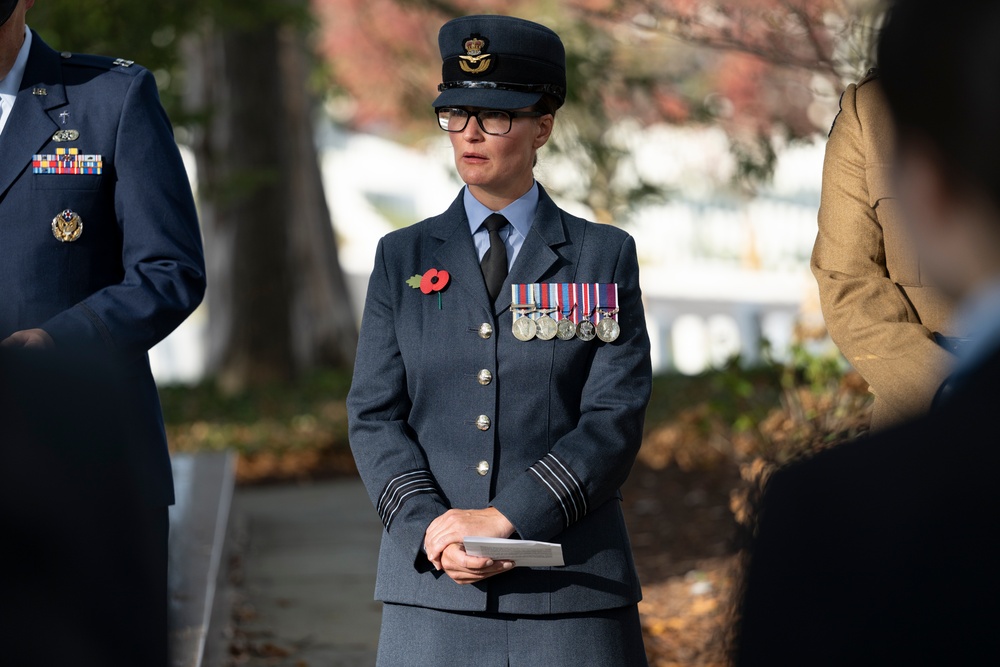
x,y
411,235
103,63
407,235
606,236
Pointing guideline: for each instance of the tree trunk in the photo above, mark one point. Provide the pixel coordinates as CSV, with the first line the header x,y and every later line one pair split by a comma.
x,y
324,332
277,297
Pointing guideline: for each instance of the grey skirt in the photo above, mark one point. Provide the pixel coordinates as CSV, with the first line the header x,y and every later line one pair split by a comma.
x,y
421,637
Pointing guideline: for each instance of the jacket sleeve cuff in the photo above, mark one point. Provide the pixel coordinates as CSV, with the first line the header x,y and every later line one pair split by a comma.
x,y
407,505
78,327
544,501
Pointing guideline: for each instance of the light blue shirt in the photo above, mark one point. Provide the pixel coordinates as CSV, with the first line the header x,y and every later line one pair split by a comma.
x,y
979,318
520,214
10,83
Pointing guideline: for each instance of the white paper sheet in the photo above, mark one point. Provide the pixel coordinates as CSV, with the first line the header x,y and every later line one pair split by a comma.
x,y
524,553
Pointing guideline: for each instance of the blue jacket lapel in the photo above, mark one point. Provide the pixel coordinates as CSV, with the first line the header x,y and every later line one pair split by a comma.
x,y
457,254
537,256
33,120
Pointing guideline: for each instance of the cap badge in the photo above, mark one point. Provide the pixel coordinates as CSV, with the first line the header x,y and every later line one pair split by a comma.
x,y
475,61
67,226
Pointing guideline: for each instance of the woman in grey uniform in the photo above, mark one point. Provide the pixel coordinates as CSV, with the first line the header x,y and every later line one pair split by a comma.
x,y
500,386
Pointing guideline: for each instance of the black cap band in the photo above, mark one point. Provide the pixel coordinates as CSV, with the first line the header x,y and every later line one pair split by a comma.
x,y
549,88
510,72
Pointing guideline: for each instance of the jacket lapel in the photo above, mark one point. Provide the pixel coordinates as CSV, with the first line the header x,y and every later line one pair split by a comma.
x,y
33,120
537,256
457,253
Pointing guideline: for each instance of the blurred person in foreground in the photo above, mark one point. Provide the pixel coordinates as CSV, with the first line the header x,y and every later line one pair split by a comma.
x,y
883,551
504,397
892,325
100,258
77,561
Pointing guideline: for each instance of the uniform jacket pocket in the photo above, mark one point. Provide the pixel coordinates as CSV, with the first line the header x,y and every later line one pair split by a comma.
x,y
66,181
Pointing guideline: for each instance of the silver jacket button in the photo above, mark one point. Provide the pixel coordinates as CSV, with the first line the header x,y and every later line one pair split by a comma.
x,y
483,423
483,468
485,330
485,377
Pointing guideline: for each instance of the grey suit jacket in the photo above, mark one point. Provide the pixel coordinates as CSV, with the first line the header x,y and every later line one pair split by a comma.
x,y
572,407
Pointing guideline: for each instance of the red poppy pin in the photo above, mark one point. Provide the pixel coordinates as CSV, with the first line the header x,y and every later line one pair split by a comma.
x,y
432,281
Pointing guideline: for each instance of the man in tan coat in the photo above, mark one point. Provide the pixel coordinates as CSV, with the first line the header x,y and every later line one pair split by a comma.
x,y
889,324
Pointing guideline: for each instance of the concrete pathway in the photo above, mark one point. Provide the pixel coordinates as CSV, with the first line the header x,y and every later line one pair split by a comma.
x,y
309,559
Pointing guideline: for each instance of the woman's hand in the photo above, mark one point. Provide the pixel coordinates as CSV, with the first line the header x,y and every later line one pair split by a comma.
x,y
466,569
454,525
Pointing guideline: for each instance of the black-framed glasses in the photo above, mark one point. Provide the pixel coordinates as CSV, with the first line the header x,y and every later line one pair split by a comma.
x,y
492,121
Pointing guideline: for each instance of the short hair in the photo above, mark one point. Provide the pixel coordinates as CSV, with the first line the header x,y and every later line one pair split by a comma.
x,y
939,64
549,104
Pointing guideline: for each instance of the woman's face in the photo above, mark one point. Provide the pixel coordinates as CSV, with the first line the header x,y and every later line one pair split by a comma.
x,y
500,165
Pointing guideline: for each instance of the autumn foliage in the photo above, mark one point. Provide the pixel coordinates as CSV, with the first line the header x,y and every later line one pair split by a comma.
x,y
757,67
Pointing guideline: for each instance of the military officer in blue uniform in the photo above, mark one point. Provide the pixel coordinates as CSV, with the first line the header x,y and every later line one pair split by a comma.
x,y
473,414
101,251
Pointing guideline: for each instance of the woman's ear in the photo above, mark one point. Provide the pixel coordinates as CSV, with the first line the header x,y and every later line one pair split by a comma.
x,y
545,124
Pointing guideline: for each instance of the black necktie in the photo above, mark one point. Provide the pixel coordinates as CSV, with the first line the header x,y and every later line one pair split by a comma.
x,y
494,262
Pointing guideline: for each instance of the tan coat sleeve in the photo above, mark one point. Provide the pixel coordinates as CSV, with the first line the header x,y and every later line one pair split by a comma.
x,y
862,259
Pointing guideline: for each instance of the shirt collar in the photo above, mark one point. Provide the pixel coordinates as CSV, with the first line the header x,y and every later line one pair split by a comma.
x,y
10,83
520,213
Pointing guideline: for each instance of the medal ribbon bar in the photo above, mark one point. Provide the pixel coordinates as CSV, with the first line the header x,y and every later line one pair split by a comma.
x,y
576,302
569,290
608,304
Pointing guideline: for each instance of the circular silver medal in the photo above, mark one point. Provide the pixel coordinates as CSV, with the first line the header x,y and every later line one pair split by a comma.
x,y
608,330
547,327
525,328
566,330
586,330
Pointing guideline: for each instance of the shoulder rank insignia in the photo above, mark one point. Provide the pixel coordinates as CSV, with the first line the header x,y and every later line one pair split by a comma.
x,y
121,62
475,61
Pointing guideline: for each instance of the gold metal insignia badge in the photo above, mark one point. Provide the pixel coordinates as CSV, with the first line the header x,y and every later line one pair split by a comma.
x,y
475,61
67,226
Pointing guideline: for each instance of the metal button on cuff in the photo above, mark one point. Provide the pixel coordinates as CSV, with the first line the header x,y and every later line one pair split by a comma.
x,y
485,330
483,468
485,377
483,423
